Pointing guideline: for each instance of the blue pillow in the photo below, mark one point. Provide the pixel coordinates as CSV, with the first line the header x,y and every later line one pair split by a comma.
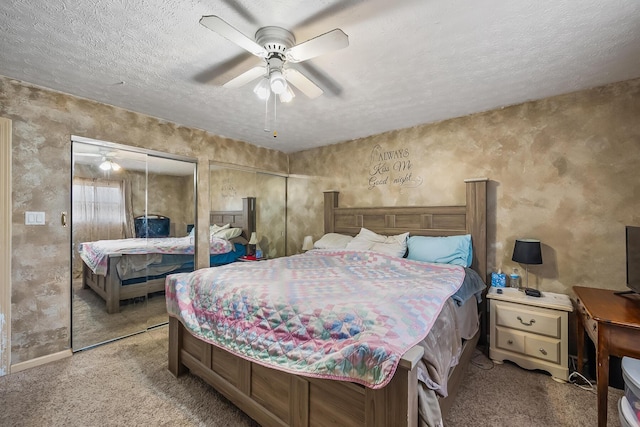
x,y
446,250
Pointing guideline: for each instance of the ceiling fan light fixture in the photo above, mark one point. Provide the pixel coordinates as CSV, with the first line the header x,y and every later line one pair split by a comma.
x,y
262,89
287,95
278,82
108,165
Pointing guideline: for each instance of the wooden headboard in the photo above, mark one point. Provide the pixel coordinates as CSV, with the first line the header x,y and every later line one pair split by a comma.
x,y
245,218
470,218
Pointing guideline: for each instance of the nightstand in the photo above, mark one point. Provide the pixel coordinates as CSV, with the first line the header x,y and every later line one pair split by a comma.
x,y
530,331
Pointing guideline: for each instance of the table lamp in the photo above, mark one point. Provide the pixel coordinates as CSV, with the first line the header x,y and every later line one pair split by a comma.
x,y
527,251
307,243
253,241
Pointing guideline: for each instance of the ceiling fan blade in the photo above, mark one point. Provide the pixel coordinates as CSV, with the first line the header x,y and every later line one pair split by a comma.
x,y
246,77
328,85
224,71
327,42
299,80
242,11
216,24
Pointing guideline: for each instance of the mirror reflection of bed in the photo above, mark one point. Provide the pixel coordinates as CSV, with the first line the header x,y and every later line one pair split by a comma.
x,y
146,189
121,270
229,185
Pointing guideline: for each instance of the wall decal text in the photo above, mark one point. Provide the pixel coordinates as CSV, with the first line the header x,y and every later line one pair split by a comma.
x,y
227,188
392,168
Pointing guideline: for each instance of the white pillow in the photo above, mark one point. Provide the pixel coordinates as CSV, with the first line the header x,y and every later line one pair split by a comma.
x,y
227,233
333,241
213,228
367,240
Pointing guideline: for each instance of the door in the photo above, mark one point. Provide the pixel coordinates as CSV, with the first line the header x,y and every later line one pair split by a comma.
x,y
128,206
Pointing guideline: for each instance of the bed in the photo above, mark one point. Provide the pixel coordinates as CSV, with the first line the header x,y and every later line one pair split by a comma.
x,y
276,398
120,277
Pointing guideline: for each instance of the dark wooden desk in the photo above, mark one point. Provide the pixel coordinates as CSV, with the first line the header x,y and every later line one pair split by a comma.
x,y
613,323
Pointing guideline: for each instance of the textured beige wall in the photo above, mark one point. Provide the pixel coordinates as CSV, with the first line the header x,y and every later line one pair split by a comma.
x,y
168,195
271,214
43,122
229,187
565,170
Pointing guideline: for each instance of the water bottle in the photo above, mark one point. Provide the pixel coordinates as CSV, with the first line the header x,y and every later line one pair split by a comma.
x,y
258,252
514,281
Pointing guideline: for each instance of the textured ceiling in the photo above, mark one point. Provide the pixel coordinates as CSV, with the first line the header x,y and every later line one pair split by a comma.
x,y
408,62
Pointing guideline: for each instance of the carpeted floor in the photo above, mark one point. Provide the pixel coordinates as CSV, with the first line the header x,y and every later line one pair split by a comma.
x,y
508,396
126,383
93,325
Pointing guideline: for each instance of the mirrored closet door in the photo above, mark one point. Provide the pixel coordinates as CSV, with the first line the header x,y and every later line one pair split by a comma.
x,y
132,210
230,185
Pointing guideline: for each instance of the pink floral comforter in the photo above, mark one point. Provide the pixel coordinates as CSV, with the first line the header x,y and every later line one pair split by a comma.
x,y
96,254
346,315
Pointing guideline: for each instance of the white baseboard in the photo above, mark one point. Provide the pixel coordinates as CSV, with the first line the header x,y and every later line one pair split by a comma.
x,y
43,360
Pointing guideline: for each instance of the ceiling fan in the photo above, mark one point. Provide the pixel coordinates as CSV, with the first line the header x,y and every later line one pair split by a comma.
x,y
107,162
276,46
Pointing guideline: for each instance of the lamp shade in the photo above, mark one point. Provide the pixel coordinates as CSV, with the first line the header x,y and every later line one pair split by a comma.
x,y
108,164
254,239
277,82
287,95
527,251
307,243
262,89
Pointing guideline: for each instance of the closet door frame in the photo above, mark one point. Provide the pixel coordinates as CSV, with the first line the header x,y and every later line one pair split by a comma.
x,y
5,246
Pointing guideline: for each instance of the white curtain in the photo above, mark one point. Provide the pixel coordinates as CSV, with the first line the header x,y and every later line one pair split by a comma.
x,y
101,211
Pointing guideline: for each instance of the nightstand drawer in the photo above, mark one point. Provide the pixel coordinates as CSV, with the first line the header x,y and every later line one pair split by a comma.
x,y
545,349
529,319
509,340
532,345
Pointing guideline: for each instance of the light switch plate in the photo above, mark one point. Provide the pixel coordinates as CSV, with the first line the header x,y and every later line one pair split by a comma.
x,y
34,218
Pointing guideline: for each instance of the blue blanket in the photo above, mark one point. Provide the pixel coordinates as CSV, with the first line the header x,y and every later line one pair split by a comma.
x,y
473,285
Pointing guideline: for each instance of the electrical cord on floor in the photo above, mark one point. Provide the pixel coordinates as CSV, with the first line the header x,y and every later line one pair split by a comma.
x,y
481,361
585,385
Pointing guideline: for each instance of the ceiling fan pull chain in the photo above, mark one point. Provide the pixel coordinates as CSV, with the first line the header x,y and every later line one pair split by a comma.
x,y
275,115
271,116
266,115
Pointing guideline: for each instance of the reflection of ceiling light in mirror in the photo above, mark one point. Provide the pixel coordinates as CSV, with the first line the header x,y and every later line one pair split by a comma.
x,y
108,165
262,89
287,95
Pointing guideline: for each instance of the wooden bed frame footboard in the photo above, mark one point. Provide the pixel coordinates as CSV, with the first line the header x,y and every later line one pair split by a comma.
x,y
110,287
276,398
